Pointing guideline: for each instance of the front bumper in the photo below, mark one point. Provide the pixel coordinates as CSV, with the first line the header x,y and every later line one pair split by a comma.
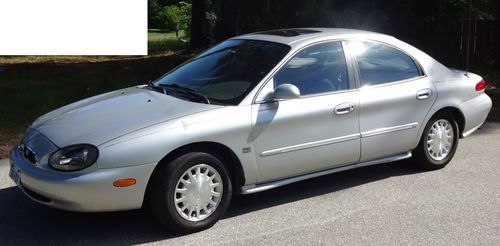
x,y
87,191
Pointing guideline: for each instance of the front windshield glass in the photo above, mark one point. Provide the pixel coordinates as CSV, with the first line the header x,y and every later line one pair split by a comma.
x,y
226,73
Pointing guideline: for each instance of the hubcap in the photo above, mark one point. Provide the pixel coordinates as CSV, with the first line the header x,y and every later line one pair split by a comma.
x,y
440,140
198,192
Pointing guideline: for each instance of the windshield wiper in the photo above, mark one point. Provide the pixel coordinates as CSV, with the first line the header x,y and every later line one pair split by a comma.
x,y
154,87
184,90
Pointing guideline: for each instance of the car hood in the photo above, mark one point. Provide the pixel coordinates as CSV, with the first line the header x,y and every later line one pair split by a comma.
x,y
104,117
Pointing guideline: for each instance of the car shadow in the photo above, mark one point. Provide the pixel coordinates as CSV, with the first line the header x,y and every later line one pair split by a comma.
x,y
318,186
23,221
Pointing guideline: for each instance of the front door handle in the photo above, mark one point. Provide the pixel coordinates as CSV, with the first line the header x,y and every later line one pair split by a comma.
x,y
344,108
424,94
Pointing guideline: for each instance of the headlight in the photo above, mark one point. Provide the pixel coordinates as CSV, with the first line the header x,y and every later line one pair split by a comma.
x,y
73,158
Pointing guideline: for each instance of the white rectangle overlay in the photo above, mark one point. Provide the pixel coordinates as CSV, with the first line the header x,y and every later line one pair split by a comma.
x,y
73,27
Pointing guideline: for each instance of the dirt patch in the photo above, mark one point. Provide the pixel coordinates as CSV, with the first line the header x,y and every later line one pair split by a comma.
x,y
7,143
62,60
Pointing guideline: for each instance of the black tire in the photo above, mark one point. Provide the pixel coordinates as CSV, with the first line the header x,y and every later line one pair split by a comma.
x,y
163,188
421,156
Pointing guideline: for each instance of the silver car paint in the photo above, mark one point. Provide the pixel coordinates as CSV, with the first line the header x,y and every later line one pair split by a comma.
x,y
229,126
296,137
392,114
96,119
133,135
87,191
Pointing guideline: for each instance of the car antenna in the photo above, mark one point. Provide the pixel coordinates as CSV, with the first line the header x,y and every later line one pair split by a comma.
x,y
468,40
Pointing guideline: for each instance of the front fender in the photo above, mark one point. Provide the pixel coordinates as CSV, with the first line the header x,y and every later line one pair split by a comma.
x,y
229,126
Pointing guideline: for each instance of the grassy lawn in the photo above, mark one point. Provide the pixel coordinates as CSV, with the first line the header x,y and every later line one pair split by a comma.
x,y
160,43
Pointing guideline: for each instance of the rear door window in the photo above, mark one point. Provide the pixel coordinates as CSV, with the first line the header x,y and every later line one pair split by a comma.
x,y
379,63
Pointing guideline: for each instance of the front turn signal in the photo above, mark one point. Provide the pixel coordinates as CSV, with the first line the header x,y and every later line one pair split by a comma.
x,y
124,182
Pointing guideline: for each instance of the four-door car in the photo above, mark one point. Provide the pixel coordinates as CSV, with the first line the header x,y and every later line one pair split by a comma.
x,y
253,113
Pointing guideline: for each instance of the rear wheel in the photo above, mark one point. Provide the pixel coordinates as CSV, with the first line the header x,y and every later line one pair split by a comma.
x,y
191,193
438,143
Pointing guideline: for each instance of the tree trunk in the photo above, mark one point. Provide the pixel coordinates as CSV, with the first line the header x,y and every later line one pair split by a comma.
x,y
198,35
227,24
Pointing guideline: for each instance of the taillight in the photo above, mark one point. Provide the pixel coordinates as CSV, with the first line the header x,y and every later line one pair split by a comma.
x,y
481,85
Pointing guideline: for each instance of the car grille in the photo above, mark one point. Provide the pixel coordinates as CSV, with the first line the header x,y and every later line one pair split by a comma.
x,y
34,146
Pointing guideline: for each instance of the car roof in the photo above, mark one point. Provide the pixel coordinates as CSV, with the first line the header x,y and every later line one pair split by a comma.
x,y
296,36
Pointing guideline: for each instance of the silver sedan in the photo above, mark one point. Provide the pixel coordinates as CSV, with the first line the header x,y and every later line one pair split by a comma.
x,y
253,113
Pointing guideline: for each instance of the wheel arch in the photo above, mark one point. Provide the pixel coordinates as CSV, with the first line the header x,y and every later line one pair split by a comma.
x,y
221,151
421,155
456,113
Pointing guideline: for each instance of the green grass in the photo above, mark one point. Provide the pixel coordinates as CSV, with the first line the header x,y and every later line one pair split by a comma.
x,y
163,34
161,41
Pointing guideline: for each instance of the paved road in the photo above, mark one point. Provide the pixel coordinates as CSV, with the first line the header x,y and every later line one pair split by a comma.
x,y
386,204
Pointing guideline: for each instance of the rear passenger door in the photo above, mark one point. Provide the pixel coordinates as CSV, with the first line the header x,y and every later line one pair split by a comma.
x,y
395,97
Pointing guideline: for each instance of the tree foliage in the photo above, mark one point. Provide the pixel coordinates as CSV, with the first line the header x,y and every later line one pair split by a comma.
x,y
428,24
175,17
154,9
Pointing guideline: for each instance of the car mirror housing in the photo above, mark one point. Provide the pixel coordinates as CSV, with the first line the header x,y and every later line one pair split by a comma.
x,y
285,92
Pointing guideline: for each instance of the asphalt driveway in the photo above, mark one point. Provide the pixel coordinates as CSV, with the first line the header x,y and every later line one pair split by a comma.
x,y
386,204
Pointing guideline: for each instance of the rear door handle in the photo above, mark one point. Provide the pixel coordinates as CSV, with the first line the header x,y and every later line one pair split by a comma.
x,y
424,94
344,108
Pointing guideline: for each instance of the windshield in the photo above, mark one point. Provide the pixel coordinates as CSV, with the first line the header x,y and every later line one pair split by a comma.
x,y
226,73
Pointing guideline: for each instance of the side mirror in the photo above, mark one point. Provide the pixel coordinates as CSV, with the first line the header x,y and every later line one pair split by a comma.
x,y
285,91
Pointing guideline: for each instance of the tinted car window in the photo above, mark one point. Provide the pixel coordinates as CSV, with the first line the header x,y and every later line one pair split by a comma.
x,y
229,71
316,69
380,63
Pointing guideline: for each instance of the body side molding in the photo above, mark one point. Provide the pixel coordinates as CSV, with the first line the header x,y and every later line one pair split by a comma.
x,y
384,130
249,189
309,145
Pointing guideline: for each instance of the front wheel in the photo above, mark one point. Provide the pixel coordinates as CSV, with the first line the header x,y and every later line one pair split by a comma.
x,y
438,143
191,193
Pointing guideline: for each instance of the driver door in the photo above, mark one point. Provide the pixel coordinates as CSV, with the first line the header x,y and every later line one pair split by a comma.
x,y
317,131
